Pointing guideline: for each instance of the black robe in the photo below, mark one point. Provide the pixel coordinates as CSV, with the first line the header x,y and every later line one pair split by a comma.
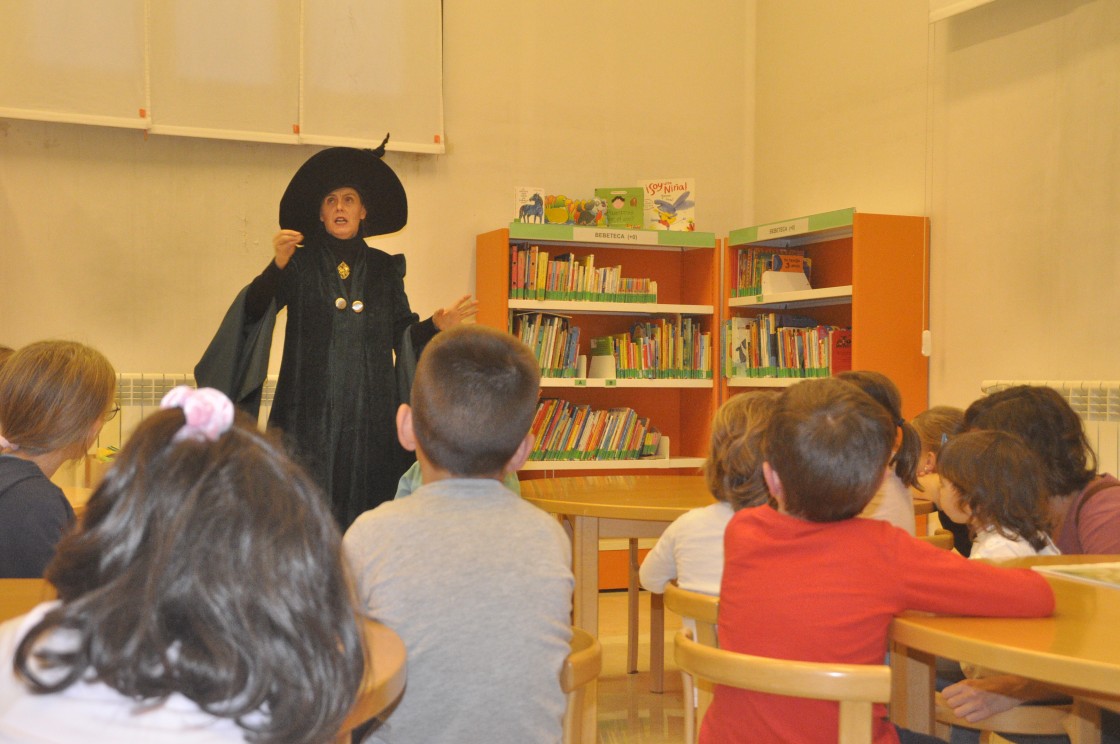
x,y
336,397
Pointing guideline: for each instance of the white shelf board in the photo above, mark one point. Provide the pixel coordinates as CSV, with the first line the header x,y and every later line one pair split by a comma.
x,y
611,308
766,382
806,298
593,382
644,464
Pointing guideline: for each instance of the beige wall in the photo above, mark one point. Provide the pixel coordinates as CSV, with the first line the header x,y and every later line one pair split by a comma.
x,y
138,245
1003,124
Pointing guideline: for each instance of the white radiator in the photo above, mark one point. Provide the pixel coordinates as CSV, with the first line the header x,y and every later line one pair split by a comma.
x,y
1097,402
139,393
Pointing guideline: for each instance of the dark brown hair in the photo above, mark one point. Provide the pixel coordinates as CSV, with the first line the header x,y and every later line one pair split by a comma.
x,y
733,469
51,395
212,569
1000,481
473,399
1047,424
879,386
829,443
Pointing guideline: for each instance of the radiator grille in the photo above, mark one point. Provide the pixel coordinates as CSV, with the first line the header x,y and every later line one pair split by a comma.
x,y
1097,402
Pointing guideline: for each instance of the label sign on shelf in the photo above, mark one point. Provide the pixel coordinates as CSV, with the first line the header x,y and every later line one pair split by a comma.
x,y
607,235
783,229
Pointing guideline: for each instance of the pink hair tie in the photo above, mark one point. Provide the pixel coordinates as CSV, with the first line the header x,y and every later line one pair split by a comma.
x,y
209,412
5,444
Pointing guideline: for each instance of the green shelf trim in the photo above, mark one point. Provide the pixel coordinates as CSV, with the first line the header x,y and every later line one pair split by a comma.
x,y
811,223
611,235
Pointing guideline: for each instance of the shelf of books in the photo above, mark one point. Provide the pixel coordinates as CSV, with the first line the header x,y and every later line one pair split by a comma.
x,y
622,323
816,295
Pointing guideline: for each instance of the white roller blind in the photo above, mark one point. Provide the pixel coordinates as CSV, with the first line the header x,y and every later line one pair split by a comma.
x,y
341,72
371,68
226,68
69,60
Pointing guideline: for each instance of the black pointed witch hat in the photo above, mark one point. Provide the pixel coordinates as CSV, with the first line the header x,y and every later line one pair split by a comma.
x,y
382,192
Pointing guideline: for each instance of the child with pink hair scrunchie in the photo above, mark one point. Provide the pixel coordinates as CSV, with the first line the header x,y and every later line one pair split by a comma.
x,y
209,412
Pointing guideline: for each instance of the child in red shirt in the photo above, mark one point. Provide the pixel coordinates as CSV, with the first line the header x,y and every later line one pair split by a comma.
x,y
810,582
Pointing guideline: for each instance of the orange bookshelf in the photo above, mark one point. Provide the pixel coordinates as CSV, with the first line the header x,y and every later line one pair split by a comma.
x,y
869,273
685,268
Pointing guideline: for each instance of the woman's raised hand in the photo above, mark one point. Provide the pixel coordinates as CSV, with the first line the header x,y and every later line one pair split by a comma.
x,y
285,243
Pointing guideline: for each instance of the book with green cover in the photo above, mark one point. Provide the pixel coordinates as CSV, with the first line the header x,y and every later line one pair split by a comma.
x,y
624,206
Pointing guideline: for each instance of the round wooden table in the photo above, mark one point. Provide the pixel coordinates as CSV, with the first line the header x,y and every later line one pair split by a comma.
x,y
596,506
1075,650
384,678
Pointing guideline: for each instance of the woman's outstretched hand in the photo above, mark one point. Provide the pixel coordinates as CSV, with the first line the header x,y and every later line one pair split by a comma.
x,y
465,307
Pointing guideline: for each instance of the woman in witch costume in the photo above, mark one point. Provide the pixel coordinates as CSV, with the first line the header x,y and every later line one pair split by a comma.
x,y
337,394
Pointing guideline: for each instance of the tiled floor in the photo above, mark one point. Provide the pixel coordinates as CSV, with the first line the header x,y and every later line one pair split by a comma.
x,y
628,712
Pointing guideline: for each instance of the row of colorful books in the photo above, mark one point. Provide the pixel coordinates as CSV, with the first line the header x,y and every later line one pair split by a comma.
x,y
754,260
534,275
663,348
774,345
552,339
565,431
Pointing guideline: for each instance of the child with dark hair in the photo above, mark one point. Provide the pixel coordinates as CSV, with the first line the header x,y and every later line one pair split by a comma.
x,y
476,581
54,398
935,426
994,484
203,599
691,548
1083,505
810,582
892,501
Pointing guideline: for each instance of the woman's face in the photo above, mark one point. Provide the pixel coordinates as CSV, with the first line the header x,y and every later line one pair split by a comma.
x,y
951,503
342,213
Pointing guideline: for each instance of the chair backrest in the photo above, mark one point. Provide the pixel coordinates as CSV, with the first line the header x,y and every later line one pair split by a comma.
x,y
941,538
703,610
584,662
855,687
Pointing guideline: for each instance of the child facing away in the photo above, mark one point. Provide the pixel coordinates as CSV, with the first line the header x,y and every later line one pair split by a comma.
x,y
691,548
892,501
476,581
808,581
935,426
994,484
202,599
54,398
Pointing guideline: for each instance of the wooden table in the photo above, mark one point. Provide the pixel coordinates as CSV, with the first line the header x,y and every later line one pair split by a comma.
x,y
629,506
1075,650
384,678
18,596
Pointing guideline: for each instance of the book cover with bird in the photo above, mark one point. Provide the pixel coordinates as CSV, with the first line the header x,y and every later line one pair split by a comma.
x,y
670,204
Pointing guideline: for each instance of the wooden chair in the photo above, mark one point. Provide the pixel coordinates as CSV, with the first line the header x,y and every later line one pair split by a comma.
x,y
856,687
581,668
941,538
1055,720
703,610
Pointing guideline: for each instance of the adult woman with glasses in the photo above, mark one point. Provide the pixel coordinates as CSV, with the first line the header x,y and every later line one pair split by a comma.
x,y
54,398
